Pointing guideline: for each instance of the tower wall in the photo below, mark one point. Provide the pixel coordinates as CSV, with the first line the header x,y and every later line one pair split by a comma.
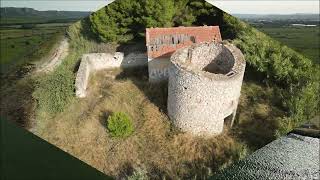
x,y
204,86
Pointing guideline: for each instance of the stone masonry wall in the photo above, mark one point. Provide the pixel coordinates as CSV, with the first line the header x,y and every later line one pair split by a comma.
x,y
98,61
198,100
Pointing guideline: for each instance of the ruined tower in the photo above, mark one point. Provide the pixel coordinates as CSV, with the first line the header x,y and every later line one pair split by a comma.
x,y
204,86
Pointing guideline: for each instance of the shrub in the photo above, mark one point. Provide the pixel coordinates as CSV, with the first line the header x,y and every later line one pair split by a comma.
x,y
54,91
28,26
119,124
139,174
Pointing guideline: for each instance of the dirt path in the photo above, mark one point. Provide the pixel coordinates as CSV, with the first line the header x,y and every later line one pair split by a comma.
x,y
17,104
56,58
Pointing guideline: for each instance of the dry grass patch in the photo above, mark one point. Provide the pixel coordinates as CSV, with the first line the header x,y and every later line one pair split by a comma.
x,y
155,146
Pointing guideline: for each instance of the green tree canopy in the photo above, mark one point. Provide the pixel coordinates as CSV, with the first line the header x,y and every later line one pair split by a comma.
x,y
124,20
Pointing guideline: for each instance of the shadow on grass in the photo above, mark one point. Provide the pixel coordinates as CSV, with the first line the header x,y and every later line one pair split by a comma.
x,y
258,113
156,93
17,104
256,133
103,118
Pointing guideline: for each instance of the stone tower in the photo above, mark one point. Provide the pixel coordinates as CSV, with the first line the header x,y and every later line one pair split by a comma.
x,y
204,86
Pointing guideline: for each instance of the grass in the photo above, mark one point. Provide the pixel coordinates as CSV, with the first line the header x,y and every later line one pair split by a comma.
x,y
20,46
155,146
35,20
304,40
16,102
20,51
257,118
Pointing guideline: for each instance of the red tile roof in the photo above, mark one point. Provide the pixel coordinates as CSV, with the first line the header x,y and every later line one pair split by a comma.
x,y
162,42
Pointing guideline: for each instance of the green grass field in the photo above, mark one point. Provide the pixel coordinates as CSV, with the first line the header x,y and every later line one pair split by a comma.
x,y
304,40
19,46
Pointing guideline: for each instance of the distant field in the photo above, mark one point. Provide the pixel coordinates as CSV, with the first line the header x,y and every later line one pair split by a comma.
x,y
19,46
35,20
302,39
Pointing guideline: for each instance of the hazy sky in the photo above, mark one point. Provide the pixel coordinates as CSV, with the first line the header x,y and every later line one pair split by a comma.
x,y
230,6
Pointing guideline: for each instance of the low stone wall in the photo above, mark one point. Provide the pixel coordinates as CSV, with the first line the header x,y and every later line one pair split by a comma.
x,y
98,61
199,100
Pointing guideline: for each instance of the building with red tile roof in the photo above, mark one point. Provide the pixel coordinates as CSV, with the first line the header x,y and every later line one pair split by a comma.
x,y
163,42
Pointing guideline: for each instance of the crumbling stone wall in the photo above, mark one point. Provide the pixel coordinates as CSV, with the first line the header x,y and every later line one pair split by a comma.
x,y
98,61
204,86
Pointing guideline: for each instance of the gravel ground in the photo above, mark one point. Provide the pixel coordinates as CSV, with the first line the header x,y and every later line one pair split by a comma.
x,y
290,157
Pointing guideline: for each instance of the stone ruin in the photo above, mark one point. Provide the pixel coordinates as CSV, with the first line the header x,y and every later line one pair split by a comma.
x,y
204,86
204,74
98,61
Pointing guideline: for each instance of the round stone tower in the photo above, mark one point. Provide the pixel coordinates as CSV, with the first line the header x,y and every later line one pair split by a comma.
x,y
204,86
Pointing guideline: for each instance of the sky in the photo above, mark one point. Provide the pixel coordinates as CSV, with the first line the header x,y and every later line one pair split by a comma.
x,y
230,6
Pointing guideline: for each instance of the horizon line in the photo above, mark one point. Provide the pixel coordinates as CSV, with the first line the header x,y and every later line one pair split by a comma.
x,y
219,0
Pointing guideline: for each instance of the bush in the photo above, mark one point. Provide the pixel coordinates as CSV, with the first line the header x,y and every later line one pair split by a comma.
x,y
54,91
139,174
28,26
119,124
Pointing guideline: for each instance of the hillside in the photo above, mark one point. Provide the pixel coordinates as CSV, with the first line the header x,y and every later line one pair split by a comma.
x,y
12,15
297,31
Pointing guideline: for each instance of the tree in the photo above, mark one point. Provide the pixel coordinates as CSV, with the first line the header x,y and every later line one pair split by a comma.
x,y
113,22
124,20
